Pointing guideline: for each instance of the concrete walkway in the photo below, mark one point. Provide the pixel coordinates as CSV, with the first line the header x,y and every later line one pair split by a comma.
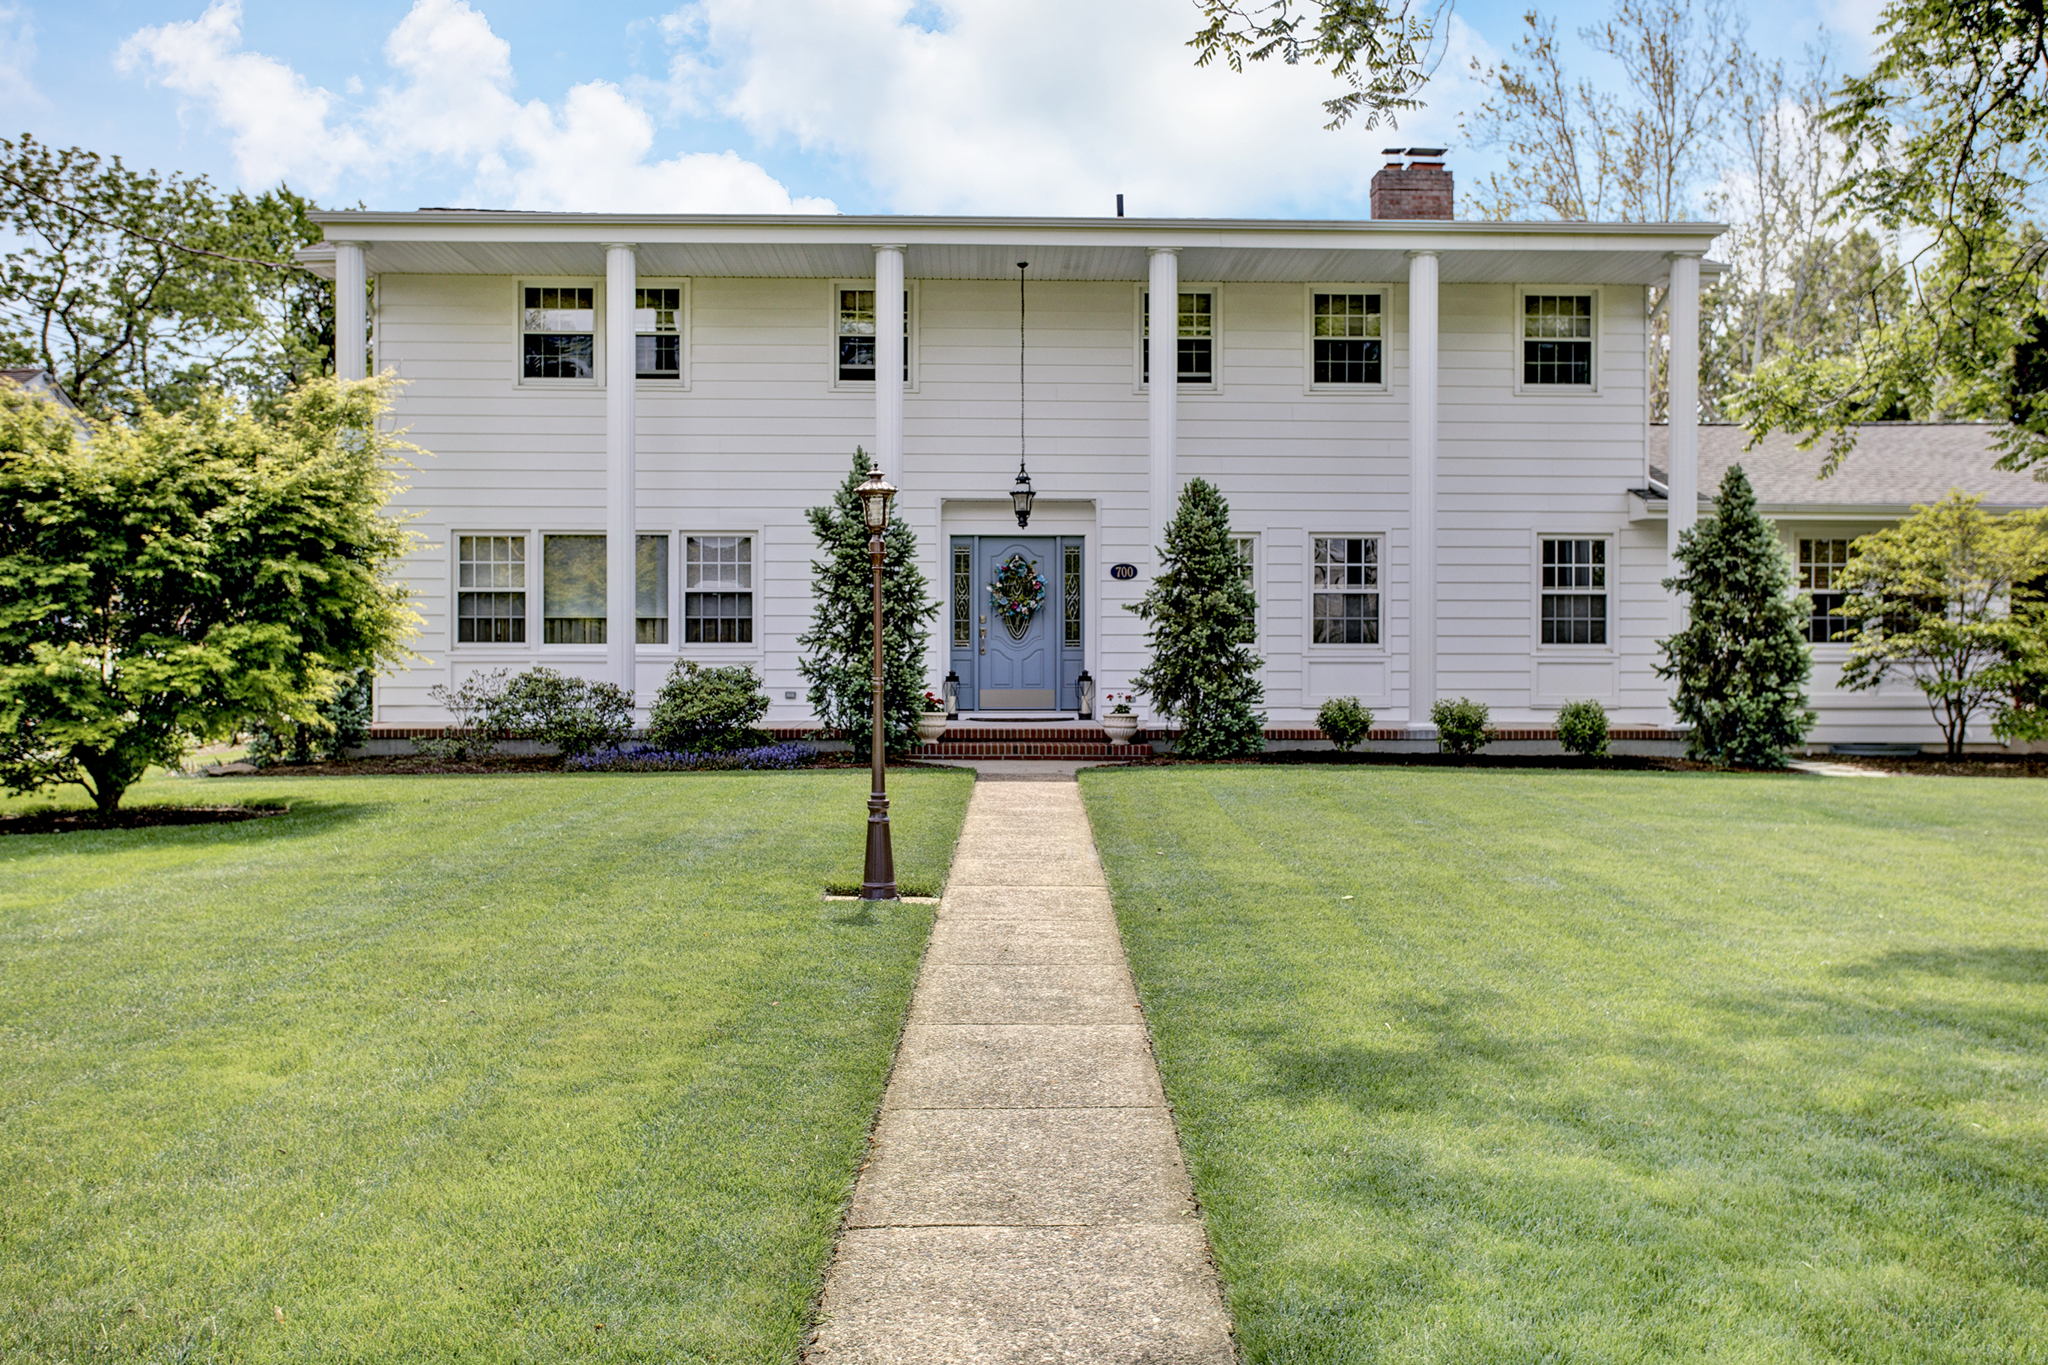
x,y
1024,1199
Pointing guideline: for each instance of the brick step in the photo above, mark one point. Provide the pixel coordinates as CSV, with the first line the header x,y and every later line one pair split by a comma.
x,y
1077,748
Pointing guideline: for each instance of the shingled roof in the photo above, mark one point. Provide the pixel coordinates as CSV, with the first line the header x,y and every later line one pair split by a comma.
x,y
1894,466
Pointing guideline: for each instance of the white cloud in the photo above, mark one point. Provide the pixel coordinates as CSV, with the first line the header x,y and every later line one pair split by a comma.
x,y
1049,107
17,58
450,103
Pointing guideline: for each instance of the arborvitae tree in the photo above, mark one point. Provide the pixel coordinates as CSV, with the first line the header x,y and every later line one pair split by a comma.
x,y
838,649
1741,661
1202,616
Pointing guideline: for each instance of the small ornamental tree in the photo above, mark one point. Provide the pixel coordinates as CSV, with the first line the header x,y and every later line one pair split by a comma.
x,y
1202,619
838,649
1953,598
168,580
1741,660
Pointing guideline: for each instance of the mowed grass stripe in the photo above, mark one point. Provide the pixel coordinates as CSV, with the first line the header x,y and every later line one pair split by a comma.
x,y
1601,1067
505,1068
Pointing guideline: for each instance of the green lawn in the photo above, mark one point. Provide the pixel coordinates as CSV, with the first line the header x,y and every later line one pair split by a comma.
x,y
1517,1066
486,1069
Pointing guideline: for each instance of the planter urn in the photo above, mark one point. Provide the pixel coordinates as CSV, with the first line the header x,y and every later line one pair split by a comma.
x,y
931,726
1120,728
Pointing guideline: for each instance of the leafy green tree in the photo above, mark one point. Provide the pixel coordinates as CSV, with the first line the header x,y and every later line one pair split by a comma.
x,y
1741,660
838,649
1201,621
1946,141
168,580
1953,598
133,287
1384,50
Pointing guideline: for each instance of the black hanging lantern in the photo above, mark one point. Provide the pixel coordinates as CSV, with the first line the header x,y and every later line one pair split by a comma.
x,y
1021,494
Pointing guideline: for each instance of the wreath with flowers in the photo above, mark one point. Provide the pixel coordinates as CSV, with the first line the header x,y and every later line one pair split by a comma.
x,y
1017,594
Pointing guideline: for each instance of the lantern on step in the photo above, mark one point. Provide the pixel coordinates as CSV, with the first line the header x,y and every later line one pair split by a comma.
x,y
1085,686
951,691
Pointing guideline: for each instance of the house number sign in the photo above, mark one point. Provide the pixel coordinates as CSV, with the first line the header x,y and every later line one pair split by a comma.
x,y
1123,571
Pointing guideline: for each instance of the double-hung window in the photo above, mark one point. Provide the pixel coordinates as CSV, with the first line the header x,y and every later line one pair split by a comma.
x,y
490,590
1820,568
854,330
1345,340
1574,591
1345,597
558,332
658,333
1194,341
718,590
1557,341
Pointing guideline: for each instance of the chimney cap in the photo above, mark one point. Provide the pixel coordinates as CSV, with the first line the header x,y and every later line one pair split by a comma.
x,y
1414,151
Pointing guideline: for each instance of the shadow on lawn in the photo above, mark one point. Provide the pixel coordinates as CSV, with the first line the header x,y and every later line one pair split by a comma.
x,y
2012,963
298,819
1454,1060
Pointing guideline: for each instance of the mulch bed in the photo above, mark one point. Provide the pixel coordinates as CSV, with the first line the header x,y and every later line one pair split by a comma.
x,y
1612,763
1937,765
499,765
133,817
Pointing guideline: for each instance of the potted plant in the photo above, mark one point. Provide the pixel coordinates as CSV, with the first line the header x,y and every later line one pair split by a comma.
x,y
1119,721
931,720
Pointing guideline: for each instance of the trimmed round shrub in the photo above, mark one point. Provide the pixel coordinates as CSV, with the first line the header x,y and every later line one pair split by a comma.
x,y
1582,728
573,714
1460,725
1345,721
708,710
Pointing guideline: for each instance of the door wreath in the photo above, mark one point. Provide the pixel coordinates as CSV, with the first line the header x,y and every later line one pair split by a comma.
x,y
1017,594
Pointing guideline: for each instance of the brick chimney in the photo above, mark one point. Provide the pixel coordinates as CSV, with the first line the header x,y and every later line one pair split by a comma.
x,y
1419,189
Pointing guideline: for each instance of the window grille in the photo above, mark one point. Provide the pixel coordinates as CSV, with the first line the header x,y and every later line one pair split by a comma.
x,y
1195,344
1346,599
1347,339
558,331
718,590
1557,339
490,598
1574,592
658,333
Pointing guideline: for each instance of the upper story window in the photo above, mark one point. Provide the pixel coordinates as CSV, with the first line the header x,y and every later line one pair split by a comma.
x,y
855,330
1346,599
1557,340
1345,339
658,333
1574,601
1195,340
1820,566
558,332
490,590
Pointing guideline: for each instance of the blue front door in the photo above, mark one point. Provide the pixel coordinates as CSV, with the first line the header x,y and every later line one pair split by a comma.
x,y
1020,670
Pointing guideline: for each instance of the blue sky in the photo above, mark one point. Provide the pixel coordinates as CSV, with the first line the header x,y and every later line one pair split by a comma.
x,y
859,106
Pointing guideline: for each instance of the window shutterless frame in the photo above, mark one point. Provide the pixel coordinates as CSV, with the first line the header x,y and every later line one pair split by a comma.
x,y
661,333
1344,592
1346,330
487,569
838,318
718,592
1247,543
1820,561
1573,581
1198,347
1556,332
549,346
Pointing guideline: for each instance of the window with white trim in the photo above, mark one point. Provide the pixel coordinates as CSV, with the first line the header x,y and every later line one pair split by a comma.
x,y
650,590
1195,339
1247,548
1820,567
718,590
558,332
1557,340
572,590
490,590
1345,601
855,330
1574,591
1345,340
658,333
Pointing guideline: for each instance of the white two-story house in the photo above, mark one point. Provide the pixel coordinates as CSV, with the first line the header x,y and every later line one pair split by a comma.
x,y
1433,435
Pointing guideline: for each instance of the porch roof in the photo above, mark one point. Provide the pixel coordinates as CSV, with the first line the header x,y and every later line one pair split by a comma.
x,y
493,242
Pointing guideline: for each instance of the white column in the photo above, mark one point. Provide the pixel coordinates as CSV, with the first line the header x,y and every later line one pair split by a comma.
x,y
888,451
1162,353
350,280
1422,421
1683,478
622,493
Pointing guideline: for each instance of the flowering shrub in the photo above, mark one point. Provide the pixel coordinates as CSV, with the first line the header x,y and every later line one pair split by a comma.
x,y
645,758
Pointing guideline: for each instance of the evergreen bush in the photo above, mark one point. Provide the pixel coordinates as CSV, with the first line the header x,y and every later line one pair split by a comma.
x,y
707,710
343,724
1741,661
1345,721
575,715
1461,725
1582,728
838,648
1202,618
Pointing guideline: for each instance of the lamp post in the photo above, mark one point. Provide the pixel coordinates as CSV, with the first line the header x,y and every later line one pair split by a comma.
x,y
878,880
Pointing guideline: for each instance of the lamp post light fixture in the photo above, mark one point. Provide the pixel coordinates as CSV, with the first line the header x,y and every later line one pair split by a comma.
x,y
878,879
1020,491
